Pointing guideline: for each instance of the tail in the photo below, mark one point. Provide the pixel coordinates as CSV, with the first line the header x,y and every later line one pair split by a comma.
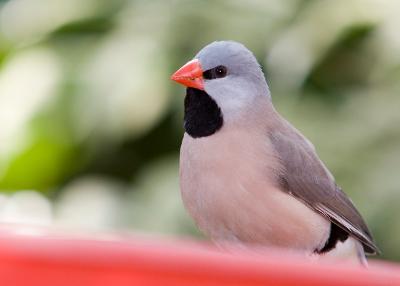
x,y
361,254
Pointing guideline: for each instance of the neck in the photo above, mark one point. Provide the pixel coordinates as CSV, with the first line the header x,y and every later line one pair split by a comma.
x,y
255,116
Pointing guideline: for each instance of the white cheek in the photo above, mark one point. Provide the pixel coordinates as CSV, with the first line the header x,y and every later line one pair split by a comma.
x,y
230,97
231,104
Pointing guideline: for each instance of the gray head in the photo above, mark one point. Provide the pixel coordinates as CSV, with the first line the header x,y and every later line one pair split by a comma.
x,y
224,83
235,79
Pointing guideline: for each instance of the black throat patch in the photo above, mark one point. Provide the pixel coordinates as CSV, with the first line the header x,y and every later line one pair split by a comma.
x,y
202,116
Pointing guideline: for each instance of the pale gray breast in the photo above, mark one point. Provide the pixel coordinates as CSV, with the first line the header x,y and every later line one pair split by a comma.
x,y
228,186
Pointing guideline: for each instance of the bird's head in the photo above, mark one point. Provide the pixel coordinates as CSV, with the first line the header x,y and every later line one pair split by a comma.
x,y
229,73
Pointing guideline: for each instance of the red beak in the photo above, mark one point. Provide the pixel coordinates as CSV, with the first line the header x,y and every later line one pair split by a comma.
x,y
190,75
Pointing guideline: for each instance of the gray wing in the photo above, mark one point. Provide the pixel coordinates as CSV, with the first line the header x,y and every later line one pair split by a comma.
x,y
305,177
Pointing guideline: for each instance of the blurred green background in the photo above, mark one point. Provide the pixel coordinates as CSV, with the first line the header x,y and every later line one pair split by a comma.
x,y
90,124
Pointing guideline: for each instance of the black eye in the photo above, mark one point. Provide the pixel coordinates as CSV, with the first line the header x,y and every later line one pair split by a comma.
x,y
220,71
217,72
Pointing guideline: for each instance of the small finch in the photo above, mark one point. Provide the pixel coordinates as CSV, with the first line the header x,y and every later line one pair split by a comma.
x,y
247,175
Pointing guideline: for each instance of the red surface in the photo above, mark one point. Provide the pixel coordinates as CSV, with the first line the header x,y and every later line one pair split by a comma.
x,y
58,260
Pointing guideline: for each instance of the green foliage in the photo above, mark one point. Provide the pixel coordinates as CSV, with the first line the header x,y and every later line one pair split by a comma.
x,y
40,166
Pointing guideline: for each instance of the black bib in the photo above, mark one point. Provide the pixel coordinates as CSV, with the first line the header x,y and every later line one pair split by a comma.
x,y
202,116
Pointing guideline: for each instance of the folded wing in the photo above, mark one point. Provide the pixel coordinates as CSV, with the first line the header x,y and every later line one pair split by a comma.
x,y
305,177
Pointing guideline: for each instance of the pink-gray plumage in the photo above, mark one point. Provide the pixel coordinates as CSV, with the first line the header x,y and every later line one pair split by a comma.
x,y
247,175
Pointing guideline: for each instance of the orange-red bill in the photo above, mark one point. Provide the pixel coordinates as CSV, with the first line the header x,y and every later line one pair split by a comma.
x,y
190,75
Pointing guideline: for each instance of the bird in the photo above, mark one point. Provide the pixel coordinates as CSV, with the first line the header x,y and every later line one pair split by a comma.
x,y
247,176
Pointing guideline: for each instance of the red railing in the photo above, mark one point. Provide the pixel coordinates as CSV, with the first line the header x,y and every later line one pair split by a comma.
x,y
58,260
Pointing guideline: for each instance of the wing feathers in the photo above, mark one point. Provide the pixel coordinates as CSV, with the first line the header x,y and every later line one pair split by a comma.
x,y
304,176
